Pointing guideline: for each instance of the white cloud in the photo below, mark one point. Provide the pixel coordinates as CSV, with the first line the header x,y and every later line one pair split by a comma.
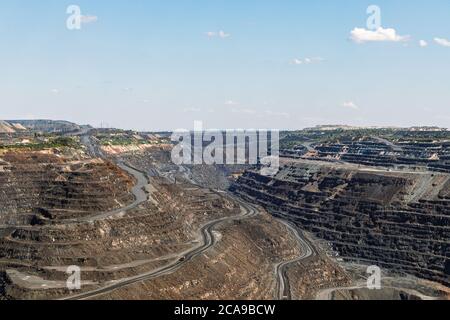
x,y
361,35
423,43
89,19
231,103
350,105
55,91
298,61
442,42
221,34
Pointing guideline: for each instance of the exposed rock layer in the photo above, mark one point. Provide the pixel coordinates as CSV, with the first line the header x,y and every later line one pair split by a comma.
x,y
398,220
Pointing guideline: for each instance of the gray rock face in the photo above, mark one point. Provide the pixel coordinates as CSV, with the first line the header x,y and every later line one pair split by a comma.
x,y
48,126
397,220
6,127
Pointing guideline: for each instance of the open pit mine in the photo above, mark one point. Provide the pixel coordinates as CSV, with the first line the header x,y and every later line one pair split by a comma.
x,y
110,208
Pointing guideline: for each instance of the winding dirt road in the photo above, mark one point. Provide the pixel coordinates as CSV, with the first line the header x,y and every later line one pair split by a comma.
x,y
206,232
284,290
327,294
208,240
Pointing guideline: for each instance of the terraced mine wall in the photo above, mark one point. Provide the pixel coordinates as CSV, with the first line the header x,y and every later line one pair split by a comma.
x,y
432,156
52,216
39,186
395,220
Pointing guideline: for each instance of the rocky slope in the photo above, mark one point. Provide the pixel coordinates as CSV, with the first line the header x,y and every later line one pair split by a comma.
x,y
395,219
8,127
47,126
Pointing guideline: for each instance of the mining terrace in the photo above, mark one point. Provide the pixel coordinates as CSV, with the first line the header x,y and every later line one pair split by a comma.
x,y
139,227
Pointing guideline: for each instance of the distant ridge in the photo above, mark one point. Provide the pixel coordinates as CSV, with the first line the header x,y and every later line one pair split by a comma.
x,y
47,126
349,128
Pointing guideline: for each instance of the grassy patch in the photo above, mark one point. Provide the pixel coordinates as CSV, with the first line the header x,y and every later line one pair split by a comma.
x,y
58,142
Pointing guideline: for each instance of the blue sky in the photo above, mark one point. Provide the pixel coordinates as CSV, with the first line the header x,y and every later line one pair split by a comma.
x,y
153,65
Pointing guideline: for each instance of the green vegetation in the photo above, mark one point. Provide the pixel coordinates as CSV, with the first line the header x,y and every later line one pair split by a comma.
x,y
120,141
54,142
120,138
